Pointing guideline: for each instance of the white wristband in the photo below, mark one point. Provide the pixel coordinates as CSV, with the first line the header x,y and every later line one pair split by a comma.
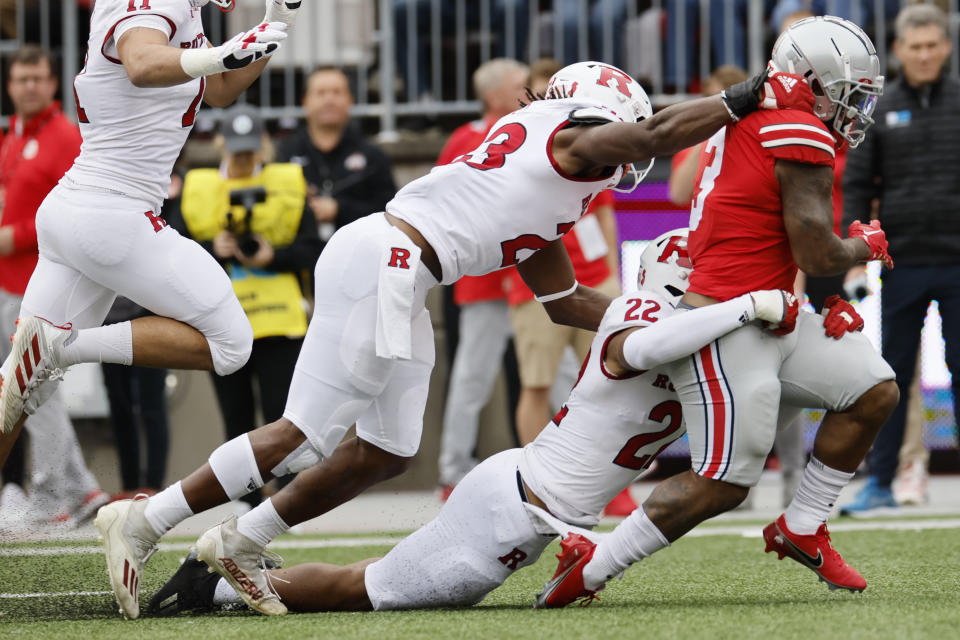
x,y
197,63
550,297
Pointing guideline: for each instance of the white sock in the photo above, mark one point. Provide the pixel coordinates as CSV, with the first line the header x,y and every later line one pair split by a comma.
x,y
262,523
818,492
109,343
225,594
167,509
633,540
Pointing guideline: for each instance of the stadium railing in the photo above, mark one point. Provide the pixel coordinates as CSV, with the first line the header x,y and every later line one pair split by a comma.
x,y
455,36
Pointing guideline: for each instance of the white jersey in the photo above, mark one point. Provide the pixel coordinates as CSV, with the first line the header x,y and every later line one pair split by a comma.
x,y
496,206
131,135
610,429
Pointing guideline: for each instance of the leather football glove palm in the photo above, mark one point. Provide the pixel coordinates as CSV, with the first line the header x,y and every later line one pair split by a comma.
x,y
840,317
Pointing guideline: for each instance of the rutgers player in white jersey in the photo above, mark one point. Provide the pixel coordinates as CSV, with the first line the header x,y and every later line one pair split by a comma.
x,y
368,353
99,231
621,414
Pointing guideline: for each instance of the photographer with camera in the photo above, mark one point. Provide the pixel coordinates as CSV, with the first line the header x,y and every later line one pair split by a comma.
x,y
252,217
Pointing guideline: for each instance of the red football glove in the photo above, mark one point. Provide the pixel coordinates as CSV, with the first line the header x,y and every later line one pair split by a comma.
x,y
786,91
791,307
840,317
875,238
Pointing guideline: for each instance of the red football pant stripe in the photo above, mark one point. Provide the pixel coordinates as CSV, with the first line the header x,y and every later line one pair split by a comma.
x,y
719,409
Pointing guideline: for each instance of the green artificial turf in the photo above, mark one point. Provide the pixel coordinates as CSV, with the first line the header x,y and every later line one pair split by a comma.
x,y
709,587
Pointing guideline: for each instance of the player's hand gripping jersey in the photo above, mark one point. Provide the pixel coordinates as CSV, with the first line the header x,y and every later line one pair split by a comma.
x,y
132,135
738,242
494,207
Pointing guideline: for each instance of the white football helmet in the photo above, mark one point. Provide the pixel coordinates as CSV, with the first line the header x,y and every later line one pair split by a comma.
x,y
619,98
665,265
841,66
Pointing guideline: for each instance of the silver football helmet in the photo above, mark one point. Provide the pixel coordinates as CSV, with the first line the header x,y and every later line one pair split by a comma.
x,y
665,265
619,98
841,66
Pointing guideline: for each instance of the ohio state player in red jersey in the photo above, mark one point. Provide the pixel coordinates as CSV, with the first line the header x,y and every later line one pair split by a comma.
x,y
762,207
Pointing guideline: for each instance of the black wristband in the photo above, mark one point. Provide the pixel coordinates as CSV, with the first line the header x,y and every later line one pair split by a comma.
x,y
743,98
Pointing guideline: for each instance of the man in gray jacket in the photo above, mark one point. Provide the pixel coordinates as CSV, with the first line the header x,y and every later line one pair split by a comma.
x,y
910,161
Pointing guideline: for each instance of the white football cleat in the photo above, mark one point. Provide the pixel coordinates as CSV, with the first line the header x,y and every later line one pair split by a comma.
x,y
241,561
33,369
129,541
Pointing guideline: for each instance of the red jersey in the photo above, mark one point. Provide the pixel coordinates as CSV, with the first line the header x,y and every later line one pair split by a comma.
x,y
469,289
589,273
33,158
738,242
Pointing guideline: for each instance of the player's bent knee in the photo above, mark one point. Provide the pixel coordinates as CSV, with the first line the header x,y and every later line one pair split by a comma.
x,y
230,350
235,466
880,400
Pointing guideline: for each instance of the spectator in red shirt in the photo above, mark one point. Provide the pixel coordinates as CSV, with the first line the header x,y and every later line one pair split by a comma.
x,y
484,326
39,147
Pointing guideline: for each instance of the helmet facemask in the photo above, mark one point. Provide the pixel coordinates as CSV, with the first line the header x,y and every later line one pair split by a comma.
x,y
839,62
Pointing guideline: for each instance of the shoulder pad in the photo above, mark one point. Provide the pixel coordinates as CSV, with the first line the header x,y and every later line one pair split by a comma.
x,y
592,115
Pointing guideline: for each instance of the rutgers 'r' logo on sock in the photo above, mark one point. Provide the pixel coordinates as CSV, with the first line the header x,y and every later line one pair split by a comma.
x,y
399,257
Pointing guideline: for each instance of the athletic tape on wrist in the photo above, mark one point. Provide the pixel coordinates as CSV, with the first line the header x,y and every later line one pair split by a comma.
x,y
550,297
198,63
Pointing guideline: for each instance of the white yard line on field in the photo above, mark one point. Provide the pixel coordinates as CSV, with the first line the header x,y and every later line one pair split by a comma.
x,y
63,594
184,546
752,531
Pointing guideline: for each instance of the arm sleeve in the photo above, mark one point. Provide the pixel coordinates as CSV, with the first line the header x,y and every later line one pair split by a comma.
x,y
684,333
859,180
148,21
303,252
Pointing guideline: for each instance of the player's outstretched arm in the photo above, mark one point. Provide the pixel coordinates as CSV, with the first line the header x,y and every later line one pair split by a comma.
x,y
681,334
550,276
668,131
679,126
229,69
806,198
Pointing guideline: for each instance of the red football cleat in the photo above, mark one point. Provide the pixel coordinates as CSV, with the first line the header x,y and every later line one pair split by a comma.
x,y
567,583
815,552
621,506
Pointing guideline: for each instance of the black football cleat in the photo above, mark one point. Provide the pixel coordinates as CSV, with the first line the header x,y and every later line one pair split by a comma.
x,y
191,588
